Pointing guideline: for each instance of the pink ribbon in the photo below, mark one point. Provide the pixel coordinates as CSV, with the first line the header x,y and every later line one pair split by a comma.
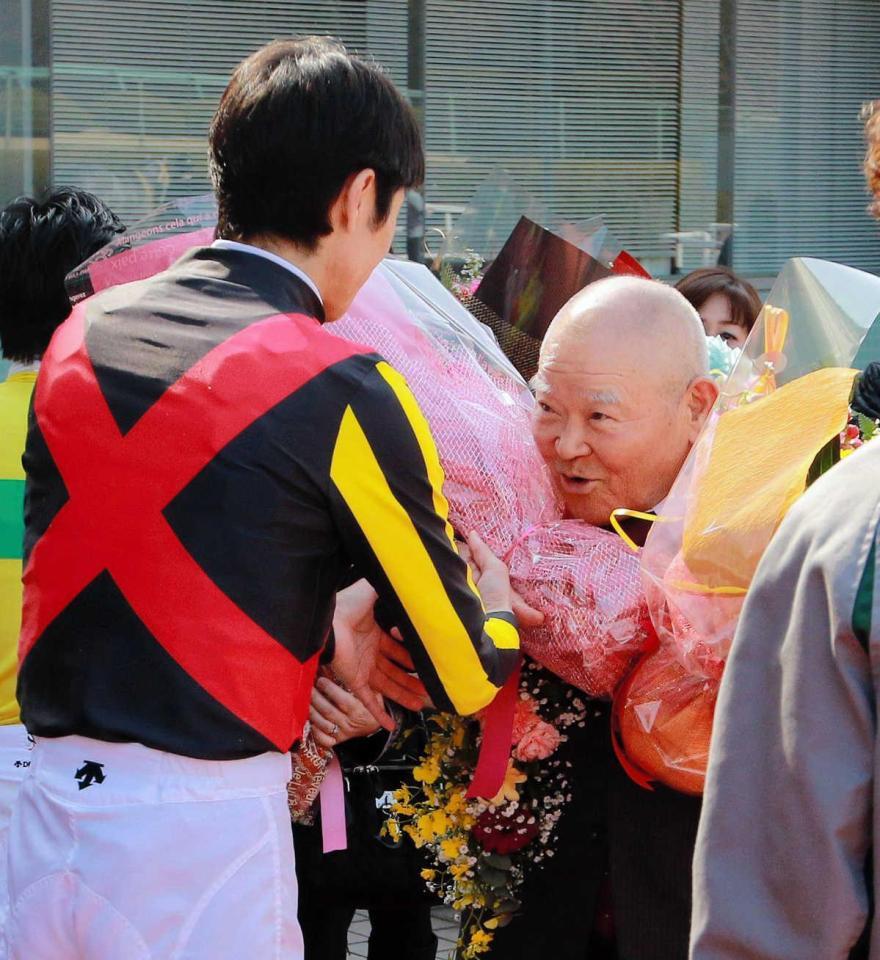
x,y
495,749
530,529
332,794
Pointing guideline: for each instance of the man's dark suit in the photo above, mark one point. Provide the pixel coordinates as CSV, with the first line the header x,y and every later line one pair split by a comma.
x,y
615,838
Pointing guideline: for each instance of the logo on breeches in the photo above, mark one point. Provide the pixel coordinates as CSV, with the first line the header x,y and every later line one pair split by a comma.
x,y
89,773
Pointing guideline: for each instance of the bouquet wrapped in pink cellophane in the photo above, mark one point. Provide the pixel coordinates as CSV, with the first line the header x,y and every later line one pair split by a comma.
x,y
585,580
775,428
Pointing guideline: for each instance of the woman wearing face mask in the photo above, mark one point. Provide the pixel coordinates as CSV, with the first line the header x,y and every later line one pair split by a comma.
x,y
728,305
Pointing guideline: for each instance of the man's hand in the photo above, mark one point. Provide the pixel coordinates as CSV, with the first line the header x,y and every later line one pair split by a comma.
x,y
358,638
336,715
369,662
490,575
374,665
527,616
393,674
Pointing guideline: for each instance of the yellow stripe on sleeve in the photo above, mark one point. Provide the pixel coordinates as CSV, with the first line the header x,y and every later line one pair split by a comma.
x,y
434,468
394,540
504,634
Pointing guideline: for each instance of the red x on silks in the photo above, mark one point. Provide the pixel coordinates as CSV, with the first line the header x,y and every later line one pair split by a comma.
x,y
118,486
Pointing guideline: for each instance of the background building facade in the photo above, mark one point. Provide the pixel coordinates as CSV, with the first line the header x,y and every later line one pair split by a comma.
x,y
667,116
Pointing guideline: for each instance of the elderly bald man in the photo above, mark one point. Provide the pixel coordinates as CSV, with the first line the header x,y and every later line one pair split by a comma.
x,y
622,392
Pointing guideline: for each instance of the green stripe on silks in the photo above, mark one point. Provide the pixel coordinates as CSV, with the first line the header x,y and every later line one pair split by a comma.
x,y
861,618
824,460
11,519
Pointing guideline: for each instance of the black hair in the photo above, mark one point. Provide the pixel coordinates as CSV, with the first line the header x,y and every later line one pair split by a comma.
x,y
297,119
866,398
41,241
744,299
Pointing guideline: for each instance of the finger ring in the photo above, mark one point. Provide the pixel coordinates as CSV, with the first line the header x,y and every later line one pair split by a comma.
x,y
334,730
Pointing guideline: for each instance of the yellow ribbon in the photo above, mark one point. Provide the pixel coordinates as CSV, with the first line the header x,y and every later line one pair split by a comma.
x,y
775,333
702,588
636,515
775,329
678,584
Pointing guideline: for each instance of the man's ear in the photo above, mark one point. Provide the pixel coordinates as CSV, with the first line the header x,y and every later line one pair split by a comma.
x,y
701,397
355,202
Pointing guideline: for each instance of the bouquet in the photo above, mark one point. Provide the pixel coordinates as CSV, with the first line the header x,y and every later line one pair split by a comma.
x,y
777,425
585,580
478,848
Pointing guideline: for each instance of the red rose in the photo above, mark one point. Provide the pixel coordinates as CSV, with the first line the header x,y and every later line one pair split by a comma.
x,y
500,834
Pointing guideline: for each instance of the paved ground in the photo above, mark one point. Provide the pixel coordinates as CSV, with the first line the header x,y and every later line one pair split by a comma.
x,y
445,926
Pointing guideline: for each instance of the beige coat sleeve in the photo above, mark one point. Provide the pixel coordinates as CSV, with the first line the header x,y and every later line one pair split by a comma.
x,y
779,870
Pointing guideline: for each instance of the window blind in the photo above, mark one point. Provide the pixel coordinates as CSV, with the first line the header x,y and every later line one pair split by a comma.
x,y
698,168
804,67
578,101
135,83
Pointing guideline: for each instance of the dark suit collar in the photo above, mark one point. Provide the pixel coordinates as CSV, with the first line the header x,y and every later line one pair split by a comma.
x,y
637,528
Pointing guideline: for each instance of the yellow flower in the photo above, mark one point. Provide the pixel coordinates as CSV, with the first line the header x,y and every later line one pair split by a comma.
x,y
432,825
478,943
428,874
431,796
414,835
451,847
393,829
457,802
458,735
508,791
427,772
458,870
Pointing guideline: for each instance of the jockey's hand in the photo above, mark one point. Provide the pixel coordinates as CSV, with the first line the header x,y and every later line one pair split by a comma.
x,y
527,615
337,715
369,662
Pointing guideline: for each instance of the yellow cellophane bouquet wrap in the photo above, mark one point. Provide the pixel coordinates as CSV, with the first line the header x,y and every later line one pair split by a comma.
x,y
785,401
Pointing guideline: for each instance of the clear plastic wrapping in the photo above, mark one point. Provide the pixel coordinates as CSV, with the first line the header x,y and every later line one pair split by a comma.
x,y
785,400
585,580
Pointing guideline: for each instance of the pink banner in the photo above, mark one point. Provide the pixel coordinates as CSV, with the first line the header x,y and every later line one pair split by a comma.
x,y
332,794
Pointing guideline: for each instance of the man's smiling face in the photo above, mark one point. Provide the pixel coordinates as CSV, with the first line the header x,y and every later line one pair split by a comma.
x,y
615,414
